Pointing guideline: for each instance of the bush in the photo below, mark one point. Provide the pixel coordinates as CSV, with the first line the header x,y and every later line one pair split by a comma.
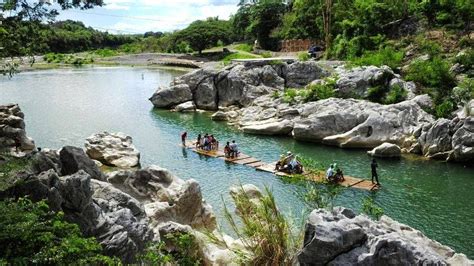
x,y
322,91
289,95
432,73
445,109
464,92
183,251
376,94
466,59
105,52
303,56
395,95
371,209
384,56
264,230
266,55
32,234
429,47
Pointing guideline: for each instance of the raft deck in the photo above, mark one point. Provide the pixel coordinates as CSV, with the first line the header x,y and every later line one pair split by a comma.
x,y
247,160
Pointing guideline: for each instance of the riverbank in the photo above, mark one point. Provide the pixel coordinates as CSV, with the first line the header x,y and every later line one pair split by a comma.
x,y
139,207
84,101
324,102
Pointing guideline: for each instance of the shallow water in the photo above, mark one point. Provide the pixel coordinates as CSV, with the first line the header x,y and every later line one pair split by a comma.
x,y
65,106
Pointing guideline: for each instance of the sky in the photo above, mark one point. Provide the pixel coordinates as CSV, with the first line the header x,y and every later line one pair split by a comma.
x,y
139,16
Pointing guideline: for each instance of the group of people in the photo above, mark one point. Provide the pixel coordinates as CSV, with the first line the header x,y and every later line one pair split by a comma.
x,y
289,164
231,150
207,142
334,174
210,143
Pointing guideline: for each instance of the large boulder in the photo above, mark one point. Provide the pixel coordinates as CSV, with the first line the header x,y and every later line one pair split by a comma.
x,y
269,127
357,81
188,106
166,197
386,150
113,149
74,159
12,129
300,74
205,95
339,237
436,140
463,141
169,97
358,123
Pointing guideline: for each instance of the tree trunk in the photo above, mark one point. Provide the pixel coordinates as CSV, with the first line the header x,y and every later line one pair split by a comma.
x,y
327,13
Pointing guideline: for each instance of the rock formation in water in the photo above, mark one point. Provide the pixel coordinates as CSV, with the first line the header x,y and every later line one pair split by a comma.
x,y
124,210
385,150
113,149
243,96
340,237
12,130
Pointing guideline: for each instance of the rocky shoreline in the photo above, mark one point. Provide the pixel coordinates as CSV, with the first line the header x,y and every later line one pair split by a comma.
x,y
244,96
127,209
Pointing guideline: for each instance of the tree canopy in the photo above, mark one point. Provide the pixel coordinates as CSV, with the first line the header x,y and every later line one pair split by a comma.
x,y
202,34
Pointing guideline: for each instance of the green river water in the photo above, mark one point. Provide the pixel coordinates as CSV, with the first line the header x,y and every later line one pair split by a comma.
x,y
65,106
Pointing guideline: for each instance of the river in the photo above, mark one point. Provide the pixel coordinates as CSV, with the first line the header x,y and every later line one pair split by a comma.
x,y
65,106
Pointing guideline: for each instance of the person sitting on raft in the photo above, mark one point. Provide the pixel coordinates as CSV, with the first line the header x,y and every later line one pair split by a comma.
x,y
214,143
234,150
198,141
339,176
227,150
284,161
330,173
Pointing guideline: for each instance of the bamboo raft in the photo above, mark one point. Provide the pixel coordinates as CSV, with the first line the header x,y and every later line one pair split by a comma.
x,y
247,160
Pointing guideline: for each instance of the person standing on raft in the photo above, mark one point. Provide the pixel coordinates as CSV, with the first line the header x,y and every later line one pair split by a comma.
x,y
374,166
183,138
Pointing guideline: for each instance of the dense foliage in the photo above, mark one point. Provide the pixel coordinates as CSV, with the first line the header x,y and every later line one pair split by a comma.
x,y
202,34
32,234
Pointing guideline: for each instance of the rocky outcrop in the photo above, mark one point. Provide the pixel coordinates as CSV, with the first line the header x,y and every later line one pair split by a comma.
x,y
339,237
186,107
113,149
357,81
166,197
341,122
235,85
74,159
114,218
12,130
444,139
386,150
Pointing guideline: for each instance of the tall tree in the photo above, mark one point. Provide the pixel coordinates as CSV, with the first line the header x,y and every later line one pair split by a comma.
x,y
21,24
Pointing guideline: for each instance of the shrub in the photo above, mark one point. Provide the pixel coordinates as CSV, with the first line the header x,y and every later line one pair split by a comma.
x,y
371,209
384,56
289,95
376,94
183,251
395,95
105,52
445,109
464,92
322,91
264,230
32,234
466,59
266,55
432,73
321,196
429,47
303,56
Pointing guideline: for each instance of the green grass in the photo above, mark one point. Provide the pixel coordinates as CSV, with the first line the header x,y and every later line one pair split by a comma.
x,y
239,55
9,168
106,52
245,47
384,56
303,56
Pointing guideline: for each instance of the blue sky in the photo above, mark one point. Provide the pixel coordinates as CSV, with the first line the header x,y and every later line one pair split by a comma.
x,y
139,16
